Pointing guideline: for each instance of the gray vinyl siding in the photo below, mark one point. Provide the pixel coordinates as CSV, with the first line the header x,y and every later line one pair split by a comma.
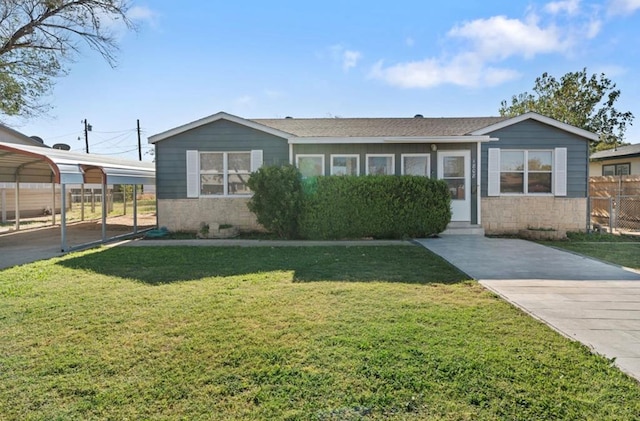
x,y
219,136
531,134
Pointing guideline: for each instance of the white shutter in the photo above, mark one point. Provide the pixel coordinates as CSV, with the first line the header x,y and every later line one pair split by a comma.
x,y
493,166
193,174
256,159
560,172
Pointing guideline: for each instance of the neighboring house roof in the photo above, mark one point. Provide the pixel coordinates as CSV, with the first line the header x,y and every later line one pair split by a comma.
x,y
365,129
628,151
9,135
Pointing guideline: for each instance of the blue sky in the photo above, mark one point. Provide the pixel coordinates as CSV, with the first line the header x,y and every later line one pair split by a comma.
x,y
273,59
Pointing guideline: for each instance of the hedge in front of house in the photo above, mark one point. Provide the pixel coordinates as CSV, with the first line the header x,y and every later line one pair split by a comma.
x,y
277,199
339,207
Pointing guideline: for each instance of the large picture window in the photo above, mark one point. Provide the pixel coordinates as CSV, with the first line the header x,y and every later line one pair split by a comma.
x,y
224,173
345,164
380,165
526,172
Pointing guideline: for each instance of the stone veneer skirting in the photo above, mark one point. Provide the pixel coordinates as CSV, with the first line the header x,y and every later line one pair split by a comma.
x,y
509,214
187,214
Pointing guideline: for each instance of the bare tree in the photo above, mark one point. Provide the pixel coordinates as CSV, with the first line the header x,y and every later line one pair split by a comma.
x,y
39,37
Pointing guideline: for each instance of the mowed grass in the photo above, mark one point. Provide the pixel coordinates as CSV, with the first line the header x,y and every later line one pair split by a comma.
x,y
321,333
622,250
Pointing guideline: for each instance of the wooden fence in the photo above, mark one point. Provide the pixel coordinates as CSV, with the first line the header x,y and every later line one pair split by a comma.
x,y
614,202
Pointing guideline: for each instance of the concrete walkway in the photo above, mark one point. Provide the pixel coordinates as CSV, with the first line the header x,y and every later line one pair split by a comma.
x,y
584,299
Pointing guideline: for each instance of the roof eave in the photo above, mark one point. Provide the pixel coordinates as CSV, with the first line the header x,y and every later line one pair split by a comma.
x,y
622,156
213,118
389,139
542,119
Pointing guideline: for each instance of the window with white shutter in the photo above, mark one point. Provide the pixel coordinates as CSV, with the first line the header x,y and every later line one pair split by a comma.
x,y
214,174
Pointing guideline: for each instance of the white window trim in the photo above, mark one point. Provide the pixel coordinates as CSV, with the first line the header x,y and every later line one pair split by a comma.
x,y
225,173
420,155
194,187
342,155
308,155
381,155
526,171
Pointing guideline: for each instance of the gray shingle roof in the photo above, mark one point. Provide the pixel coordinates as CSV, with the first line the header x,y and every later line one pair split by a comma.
x,y
376,127
619,151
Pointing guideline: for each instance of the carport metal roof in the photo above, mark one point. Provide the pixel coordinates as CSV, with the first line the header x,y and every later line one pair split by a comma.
x,y
33,164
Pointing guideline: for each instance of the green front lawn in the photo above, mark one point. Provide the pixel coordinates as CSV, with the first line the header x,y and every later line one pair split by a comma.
x,y
320,333
622,250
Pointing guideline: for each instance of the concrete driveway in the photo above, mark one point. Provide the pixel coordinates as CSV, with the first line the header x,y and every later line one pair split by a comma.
x,y
31,245
584,299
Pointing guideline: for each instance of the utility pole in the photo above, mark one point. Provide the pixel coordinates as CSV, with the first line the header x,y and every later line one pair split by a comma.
x,y
139,143
87,129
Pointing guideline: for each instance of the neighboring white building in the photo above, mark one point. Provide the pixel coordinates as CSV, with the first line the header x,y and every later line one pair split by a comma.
x,y
624,160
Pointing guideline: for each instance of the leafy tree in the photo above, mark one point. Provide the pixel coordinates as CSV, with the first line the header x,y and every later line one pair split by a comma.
x,y
577,99
37,37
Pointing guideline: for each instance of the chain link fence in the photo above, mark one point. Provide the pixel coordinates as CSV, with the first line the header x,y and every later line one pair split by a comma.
x,y
614,203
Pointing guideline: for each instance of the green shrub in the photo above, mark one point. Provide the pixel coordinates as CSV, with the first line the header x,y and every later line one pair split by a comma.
x,y
277,199
374,206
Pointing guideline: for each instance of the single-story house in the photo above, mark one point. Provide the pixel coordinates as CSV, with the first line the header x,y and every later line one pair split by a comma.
x,y
623,160
504,173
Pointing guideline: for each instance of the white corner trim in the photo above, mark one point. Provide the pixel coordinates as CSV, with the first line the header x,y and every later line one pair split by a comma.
x,y
542,119
479,186
213,118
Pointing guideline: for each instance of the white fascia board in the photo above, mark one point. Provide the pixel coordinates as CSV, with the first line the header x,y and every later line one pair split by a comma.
x,y
408,139
542,119
212,118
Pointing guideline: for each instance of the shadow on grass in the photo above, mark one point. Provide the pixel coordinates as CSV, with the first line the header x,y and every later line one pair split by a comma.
x,y
160,265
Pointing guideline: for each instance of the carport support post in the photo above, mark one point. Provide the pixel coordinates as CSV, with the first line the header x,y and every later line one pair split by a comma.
x,y
135,208
53,203
82,202
17,203
104,209
3,199
63,217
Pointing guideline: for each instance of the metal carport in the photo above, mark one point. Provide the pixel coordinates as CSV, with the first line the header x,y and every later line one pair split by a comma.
x,y
33,164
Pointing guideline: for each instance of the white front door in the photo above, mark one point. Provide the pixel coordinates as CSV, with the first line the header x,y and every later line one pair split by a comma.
x,y
454,167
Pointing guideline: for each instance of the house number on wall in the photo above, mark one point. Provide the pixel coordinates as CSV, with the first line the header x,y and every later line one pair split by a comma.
x,y
473,168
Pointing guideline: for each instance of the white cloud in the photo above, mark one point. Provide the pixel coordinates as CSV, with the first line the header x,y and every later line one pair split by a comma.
x,y
476,49
611,70
570,7
273,93
142,14
410,42
623,7
244,101
348,59
463,70
593,28
501,37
